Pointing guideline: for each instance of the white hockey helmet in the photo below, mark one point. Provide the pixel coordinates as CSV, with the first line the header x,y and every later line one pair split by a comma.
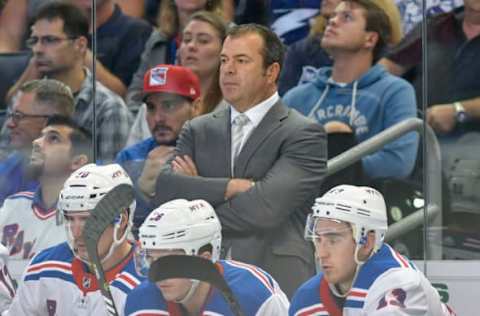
x,y
182,224
85,188
362,207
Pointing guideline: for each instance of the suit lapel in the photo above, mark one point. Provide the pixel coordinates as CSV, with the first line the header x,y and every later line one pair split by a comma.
x,y
222,123
270,122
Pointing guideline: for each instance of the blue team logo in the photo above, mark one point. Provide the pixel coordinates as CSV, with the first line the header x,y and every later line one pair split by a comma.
x,y
395,297
158,76
51,307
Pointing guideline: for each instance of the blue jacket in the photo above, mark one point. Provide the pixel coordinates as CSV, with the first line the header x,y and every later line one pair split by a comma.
x,y
12,176
132,159
379,100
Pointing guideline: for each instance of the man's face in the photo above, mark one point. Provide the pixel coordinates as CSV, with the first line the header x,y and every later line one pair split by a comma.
x,y
345,31
23,127
74,224
243,79
54,53
52,151
166,114
172,289
335,248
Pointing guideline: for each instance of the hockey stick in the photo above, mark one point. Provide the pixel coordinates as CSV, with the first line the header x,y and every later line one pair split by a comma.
x,y
192,267
102,216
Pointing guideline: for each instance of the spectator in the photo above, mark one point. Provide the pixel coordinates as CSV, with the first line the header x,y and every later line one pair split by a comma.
x,y
200,50
59,44
261,176
169,92
202,40
58,280
453,42
256,292
29,219
411,11
161,47
35,102
307,55
120,43
357,92
360,274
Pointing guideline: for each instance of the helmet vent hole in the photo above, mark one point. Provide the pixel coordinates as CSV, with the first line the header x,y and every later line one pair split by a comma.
x,y
364,201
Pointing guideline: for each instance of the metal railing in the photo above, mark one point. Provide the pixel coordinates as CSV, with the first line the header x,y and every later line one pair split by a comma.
x,y
432,185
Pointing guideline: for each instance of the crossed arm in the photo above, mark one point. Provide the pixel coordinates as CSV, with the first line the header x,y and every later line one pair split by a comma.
x,y
292,181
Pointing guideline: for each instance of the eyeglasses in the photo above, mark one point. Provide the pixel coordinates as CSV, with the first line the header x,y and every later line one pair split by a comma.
x,y
17,116
48,40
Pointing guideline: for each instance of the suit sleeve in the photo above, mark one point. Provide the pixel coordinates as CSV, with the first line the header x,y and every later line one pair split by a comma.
x,y
295,178
168,183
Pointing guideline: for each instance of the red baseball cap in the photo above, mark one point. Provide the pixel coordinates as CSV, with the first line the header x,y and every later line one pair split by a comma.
x,y
171,79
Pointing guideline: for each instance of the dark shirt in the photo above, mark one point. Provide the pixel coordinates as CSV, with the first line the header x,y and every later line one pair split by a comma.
x,y
132,159
120,43
453,62
302,60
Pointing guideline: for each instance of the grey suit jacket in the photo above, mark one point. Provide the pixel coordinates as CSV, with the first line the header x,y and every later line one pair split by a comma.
x,y
285,155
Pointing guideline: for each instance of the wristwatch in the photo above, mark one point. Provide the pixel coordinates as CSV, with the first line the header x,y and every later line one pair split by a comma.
x,y
460,112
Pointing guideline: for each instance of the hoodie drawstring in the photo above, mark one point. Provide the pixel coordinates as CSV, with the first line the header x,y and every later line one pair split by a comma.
x,y
353,102
319,102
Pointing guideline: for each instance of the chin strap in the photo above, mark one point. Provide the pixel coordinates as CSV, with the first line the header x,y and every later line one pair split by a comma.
x,y
190,292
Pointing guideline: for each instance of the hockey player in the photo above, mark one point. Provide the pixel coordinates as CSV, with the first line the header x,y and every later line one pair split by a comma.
x,y
192,228
58,281
360,275
29,221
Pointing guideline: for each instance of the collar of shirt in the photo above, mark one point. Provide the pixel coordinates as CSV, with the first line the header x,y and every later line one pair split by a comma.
x,y
257,112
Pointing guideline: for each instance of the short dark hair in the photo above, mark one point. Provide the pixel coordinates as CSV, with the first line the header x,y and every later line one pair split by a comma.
x,y
80,137
75,22
376,21
273,48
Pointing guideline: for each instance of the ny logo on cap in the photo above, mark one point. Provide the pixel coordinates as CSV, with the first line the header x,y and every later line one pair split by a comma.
x,y
158,76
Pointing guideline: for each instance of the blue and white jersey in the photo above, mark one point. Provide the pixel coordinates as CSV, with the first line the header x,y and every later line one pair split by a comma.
x,y
27,227
387,284
57,283
255,290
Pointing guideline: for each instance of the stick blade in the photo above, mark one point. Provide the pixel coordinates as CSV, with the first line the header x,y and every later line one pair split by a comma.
x,y
193,267
105,212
